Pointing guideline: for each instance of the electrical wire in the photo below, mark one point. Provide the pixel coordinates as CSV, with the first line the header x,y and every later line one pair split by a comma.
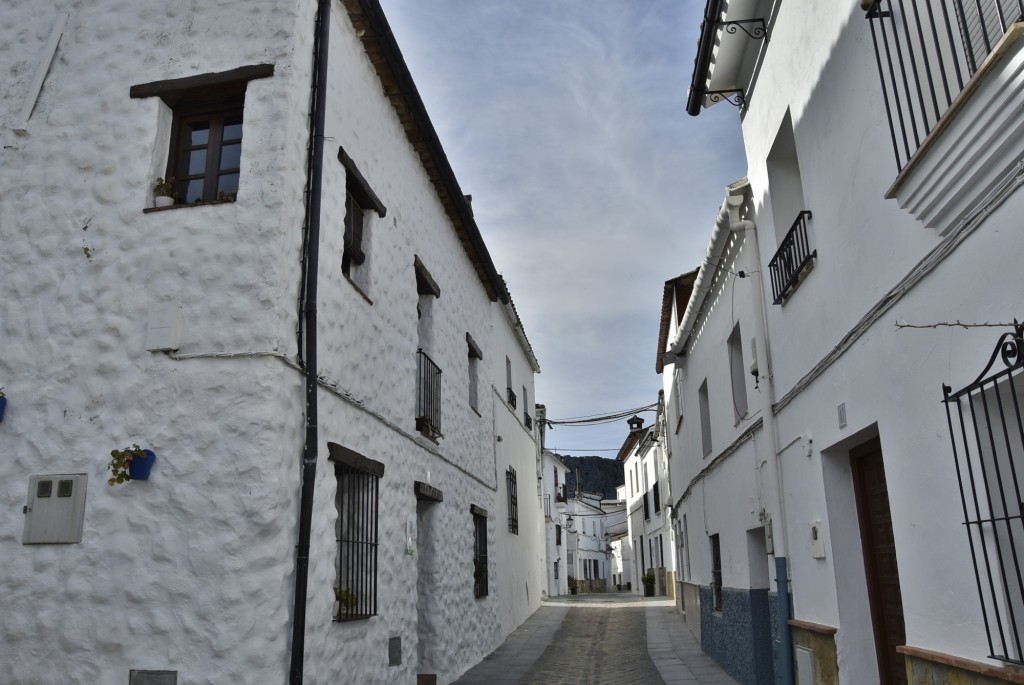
x,y
594,419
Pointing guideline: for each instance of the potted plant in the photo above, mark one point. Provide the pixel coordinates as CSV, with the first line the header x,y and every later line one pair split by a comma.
x,y
343,599
3,403
130,463
163,192
572,585
648,579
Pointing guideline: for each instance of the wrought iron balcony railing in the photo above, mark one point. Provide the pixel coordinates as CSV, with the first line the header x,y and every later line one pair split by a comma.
x,y
428,396
527,421
793,258
511,398
926,52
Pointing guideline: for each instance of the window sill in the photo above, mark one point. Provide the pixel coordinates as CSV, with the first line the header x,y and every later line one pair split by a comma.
x,y
959,160
477,412
150,210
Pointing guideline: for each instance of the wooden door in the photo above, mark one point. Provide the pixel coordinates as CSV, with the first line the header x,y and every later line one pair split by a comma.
x,y
880,566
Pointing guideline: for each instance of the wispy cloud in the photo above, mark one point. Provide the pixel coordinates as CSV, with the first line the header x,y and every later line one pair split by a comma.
x,y
591,185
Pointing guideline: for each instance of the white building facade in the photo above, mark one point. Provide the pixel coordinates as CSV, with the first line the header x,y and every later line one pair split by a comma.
x,y
645,467
183,330
876,219
556,535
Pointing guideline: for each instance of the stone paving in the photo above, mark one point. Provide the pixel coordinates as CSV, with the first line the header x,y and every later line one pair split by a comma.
x,y
613,639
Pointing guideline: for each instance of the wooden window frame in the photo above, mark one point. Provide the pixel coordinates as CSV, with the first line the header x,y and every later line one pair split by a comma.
x,y
217,113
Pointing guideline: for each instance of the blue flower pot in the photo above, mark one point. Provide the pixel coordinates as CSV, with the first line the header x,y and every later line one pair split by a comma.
x,y
139,469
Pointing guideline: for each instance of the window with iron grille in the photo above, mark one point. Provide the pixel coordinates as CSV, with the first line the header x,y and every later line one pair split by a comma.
x,y
657,497
512,491
716,572
356,500
647,508
925,59
556,569
480,576
558,535
986,423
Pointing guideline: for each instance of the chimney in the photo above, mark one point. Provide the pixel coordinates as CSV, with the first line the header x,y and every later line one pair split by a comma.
x,y
635,423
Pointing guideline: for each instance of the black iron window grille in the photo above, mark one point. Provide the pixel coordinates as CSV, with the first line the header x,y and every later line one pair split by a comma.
x,y
926,52
512,491
558,535
358,480
527,421
986,426
511,398
716,572
792,260
480,580
657,498
560,491
647,509
428,396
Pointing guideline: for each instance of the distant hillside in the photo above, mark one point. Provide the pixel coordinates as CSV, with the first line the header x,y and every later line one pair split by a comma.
x,y
597,474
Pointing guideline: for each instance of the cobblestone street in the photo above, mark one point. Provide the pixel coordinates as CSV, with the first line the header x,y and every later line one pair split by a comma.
x,y
613,639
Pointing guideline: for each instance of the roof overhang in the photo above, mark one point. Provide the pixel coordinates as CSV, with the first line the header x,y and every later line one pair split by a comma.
x,y
381,47
674,297
731,37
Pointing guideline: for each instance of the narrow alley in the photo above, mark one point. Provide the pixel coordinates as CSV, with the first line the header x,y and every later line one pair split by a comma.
x,y
598,639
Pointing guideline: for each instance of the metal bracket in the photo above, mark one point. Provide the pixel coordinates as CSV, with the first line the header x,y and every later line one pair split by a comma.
x,y
733,97
759,31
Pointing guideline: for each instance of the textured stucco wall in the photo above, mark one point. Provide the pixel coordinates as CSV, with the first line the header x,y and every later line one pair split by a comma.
x,y
193,571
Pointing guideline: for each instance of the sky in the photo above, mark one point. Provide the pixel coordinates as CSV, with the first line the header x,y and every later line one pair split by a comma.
x,y
565,120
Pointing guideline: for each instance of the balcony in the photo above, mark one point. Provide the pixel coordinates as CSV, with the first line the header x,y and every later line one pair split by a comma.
x,y
792,261
560,493
527,421
428,396
926,55
511,398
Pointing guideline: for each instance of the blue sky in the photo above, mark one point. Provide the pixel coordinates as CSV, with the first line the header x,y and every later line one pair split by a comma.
x,y
565,119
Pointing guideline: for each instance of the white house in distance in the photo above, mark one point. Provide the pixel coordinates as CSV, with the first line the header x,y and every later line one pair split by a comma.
x,y
646,481
556,535
621,554
189,330
877,235
587,551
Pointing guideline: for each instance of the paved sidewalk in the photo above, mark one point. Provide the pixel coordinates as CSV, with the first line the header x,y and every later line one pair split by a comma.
x,y
675,651
593,639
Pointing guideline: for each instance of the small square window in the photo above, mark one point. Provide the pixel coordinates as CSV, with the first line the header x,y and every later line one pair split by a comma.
x,y
205,154
44,488
64,488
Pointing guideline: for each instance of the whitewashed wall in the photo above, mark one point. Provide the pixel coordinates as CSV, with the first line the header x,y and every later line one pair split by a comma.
x,y
820,68
192,571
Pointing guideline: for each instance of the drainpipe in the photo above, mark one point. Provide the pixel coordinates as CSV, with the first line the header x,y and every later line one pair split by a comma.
x,y
780,534
314,187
